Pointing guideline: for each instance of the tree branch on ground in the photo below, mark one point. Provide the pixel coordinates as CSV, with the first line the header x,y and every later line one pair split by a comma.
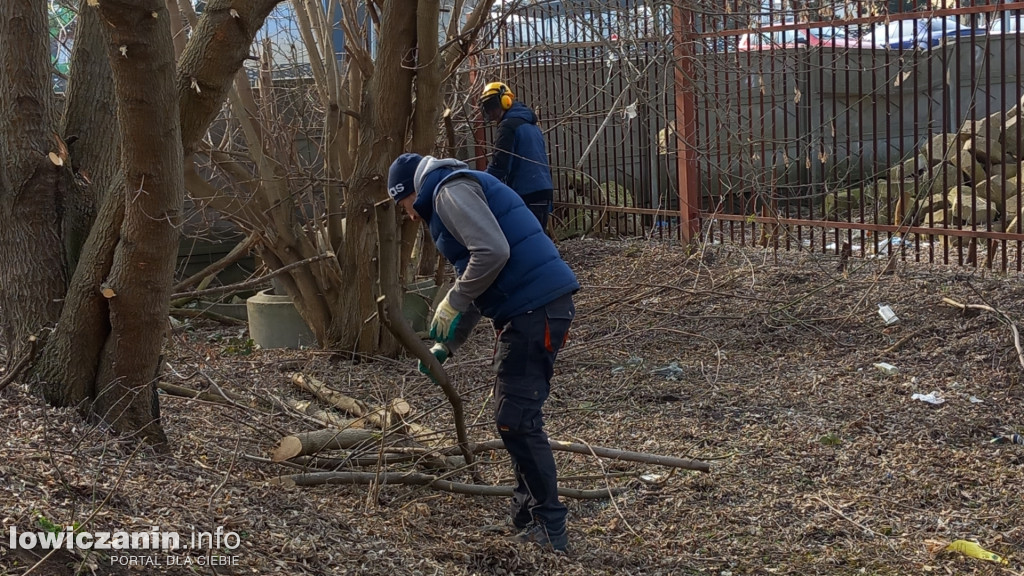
x,y
1002,316
420,479
236,254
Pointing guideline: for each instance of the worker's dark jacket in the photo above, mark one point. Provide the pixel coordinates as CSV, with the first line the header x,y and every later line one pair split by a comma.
x,y
520,159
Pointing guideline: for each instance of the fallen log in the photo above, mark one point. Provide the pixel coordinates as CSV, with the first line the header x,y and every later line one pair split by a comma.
x,y
384,417
340,401
329,419
353,461
611,453
306,443
333,464
218,397
420,479
201,313
317,441
423,435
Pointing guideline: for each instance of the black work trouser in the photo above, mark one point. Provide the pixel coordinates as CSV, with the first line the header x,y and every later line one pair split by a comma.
x,y
525,353
540,204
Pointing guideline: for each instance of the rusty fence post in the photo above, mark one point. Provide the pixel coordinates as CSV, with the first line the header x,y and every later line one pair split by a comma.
x,y
688,181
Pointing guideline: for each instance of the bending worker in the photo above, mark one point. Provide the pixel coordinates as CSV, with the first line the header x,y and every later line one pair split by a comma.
x,y
520,159
511,272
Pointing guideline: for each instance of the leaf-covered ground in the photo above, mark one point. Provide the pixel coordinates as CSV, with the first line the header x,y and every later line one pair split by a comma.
x,y
760,363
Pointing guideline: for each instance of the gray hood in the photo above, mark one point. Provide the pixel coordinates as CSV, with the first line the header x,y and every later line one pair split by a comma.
x,y
429,164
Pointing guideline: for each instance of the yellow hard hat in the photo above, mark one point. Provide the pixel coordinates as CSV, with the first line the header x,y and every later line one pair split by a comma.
x,y
500,91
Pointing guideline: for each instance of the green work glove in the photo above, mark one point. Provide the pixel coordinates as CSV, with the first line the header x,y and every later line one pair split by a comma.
x,y
440,351
446,320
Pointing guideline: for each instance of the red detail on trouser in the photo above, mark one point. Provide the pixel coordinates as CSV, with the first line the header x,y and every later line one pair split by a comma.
x,y
547,337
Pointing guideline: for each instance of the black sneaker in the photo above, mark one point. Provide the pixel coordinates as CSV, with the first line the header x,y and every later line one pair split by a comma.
x,y
538,534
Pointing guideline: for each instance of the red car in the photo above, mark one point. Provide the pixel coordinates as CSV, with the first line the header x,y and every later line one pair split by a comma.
x,y
819,36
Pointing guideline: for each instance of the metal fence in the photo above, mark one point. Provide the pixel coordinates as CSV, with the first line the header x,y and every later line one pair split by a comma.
x,y
597,76
872,127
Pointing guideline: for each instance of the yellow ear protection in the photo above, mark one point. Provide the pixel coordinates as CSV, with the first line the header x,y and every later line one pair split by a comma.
x,y
501,92
506,96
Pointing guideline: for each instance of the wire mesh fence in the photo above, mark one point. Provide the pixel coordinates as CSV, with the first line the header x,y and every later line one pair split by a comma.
x,y
596,74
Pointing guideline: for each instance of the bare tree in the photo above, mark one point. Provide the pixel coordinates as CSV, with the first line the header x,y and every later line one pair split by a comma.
x,y
378,101
90,226
92,202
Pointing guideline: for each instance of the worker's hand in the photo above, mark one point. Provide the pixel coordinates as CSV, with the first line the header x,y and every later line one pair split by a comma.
x,y
440,351
446,320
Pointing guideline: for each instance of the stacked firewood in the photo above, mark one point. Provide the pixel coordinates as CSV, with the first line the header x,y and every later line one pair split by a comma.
x,y
967,179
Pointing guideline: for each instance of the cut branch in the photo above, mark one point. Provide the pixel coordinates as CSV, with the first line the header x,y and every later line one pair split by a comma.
x,y
420,479
1002,315
384,417
328,418
387,244
612,453
340,401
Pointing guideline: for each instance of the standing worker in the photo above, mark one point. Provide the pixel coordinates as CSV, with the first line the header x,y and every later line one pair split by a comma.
x,y
520,159
510,271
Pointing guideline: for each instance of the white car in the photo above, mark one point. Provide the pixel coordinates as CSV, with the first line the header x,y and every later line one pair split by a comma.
x,y
920,33
1007,24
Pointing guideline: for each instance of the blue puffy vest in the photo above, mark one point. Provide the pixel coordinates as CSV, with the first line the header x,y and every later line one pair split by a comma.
x,y
535,273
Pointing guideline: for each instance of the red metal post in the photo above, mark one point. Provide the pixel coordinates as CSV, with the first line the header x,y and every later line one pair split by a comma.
x,y
684,34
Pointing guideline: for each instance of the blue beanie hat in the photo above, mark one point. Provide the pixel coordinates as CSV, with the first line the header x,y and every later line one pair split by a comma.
x,y
400,176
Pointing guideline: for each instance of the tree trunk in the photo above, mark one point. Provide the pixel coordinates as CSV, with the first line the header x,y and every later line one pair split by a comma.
x,y
67,367
32,278
216,50
141,53
104,353
90,125
384,115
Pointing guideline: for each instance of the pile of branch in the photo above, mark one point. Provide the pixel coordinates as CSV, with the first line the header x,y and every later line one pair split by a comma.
x,y
380,438
385,417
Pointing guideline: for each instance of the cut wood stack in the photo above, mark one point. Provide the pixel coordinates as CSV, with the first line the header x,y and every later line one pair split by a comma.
x,y
968,179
